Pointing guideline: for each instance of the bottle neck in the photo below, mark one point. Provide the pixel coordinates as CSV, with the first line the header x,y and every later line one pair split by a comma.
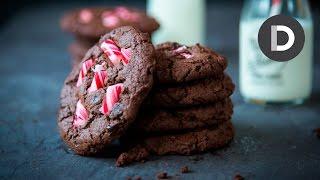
x,y
296,8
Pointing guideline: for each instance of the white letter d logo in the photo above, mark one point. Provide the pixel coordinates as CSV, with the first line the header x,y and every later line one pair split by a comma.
x,y
274,41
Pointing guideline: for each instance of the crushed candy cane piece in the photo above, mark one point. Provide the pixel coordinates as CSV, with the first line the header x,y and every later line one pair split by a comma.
x,y
85,16
81,116
98,67
100,75
123,12
183,51
115,54
126,14
112,50
126,53
112,97
109,19
86,65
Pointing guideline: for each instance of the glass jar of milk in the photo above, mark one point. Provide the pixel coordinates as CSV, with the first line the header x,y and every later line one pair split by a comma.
x,y
181,21
265,81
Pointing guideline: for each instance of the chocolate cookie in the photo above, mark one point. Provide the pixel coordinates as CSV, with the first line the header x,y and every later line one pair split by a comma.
x,y
160,120
101,97
191,142
183,144
94,22
178,63
203,91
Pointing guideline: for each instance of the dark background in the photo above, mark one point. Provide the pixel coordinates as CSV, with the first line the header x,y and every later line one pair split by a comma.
x,y
10,7
271,142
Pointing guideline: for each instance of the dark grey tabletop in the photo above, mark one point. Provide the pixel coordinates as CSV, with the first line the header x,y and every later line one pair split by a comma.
x,y
270,143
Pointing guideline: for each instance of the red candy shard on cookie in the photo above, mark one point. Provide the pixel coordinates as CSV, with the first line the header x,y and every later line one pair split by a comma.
x,y
86,65
100,75
126,53
126,14
85,16
81,116
109,19
115,53
183,51
112,96
112,18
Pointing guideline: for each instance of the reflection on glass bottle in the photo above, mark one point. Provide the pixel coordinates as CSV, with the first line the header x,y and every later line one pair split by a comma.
x,y
261,79
259,66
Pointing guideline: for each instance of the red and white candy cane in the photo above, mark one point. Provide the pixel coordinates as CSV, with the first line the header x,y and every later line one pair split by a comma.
x,y
115,54
183,51
86,65
100,74
81,116
85,16
126,53
112,97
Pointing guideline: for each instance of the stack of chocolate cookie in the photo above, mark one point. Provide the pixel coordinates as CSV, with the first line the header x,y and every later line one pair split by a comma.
x,y
89,24
171,99
189,109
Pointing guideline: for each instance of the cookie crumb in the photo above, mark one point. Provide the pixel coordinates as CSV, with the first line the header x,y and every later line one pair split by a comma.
x,y
162,175
317,132
138,178
135,154
185,169
238,177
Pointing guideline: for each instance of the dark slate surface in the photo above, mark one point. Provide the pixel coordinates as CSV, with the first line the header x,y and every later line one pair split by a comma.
x,y
270,142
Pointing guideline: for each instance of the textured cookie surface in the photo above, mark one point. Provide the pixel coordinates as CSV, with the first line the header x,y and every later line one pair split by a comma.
x,y
96,21
191,142
197,92
163,120
178,63
183,144
101,96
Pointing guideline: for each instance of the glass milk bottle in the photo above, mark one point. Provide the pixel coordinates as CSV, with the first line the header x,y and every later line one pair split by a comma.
x,y
181,21
265,81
